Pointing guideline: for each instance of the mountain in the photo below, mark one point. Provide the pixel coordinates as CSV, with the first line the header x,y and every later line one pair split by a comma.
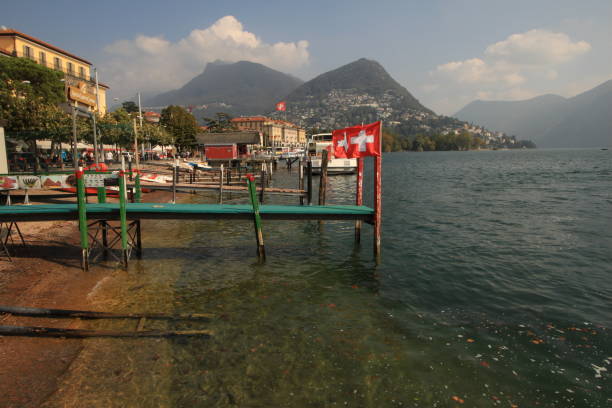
x,y
550,120
361,91
241,88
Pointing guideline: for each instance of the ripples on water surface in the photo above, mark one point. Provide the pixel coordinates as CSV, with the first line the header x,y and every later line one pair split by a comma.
x,y
494,290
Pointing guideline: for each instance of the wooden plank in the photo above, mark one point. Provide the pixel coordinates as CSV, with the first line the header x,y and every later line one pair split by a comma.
x,y
35,331
141,323
86,314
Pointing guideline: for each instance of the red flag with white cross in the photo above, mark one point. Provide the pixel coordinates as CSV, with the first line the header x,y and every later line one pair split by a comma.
x,y
357,141
281,106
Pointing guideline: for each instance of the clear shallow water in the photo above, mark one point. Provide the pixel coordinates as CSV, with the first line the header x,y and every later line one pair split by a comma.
x,y
494,289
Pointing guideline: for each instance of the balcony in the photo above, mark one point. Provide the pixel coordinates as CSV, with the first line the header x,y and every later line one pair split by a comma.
x,y
74,75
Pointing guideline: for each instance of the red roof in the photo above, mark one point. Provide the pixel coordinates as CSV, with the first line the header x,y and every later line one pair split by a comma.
x,y
149,113
11,32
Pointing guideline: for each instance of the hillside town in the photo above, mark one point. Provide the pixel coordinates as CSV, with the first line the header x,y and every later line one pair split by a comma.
x,y
85,127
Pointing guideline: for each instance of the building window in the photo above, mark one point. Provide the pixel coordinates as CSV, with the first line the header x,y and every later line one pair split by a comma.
x,y
27,52
42,58
57,63
71,68
82,72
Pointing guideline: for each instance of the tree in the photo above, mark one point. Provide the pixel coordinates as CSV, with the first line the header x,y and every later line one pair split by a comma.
x,y
180,124
29,95
117,128
463,141
222,123
37,81
130,107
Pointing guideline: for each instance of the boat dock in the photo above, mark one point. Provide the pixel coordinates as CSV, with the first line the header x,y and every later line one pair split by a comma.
x,y
98,235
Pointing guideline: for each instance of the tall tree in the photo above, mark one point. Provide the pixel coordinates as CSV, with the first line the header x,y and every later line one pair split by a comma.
x,y
130,106
180,124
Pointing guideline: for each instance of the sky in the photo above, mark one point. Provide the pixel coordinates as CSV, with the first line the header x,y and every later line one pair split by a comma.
x,y
446,53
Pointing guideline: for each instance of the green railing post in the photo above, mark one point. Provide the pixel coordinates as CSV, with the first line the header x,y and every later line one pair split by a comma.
x,y
82,207
261,251
123,217
101,194
138,193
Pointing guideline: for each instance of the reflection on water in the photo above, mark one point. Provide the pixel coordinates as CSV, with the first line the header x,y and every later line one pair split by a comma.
x,y
494,290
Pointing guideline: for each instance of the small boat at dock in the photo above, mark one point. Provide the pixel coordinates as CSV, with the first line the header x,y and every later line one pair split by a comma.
x,y
323,141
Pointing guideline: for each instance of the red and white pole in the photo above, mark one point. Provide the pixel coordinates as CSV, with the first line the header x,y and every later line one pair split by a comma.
x,y
359,196
378,197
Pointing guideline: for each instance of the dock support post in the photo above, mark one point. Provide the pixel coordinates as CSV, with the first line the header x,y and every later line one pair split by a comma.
x,y
221,184
261,250
309,179
378,200
359,197
104,226
123,218
262,182
82,207
323,181
101,195
174,181
301,180
138,192
138,240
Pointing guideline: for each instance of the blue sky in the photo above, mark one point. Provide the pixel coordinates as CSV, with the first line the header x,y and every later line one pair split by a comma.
x,y
446,53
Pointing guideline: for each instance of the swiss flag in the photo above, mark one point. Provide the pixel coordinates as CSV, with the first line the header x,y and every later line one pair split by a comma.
x,y
357,141
281,106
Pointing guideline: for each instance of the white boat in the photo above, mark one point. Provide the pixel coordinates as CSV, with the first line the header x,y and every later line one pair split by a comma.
x,y
323,141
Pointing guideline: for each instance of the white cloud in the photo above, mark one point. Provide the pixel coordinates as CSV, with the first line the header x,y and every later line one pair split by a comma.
x,y
506,68
151,64
537,47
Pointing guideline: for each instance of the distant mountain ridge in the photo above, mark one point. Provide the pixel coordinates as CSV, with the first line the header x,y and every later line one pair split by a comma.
x,y
241,88
359,91
550,120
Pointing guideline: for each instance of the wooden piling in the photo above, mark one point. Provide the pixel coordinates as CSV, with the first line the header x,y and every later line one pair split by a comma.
x,y
378,200
301,180
138,192
174,180
221,184
309,179
323,181
123,217
138,239
261,250
359,197
263,181
82,207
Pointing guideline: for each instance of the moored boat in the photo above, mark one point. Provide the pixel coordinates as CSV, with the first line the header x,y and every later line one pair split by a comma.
x,y
323,141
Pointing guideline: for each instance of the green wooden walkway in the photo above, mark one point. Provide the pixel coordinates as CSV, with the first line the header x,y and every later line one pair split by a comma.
x,y
137,211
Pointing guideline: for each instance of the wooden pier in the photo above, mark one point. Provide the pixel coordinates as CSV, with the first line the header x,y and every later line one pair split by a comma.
x,y
97,234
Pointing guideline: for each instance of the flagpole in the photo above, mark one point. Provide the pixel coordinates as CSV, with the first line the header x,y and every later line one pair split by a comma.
x,y
378,197
359,197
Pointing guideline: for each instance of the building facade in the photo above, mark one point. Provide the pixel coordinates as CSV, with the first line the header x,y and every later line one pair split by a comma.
x,y
276,133
80,85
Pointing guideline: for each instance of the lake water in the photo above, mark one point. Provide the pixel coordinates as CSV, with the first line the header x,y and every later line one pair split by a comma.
x,y
495,289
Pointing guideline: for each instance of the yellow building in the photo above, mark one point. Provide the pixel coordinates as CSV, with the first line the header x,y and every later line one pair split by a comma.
x,y
277,133
80,86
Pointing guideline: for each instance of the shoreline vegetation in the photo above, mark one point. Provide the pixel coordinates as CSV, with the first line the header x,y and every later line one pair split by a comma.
x,y
394,142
